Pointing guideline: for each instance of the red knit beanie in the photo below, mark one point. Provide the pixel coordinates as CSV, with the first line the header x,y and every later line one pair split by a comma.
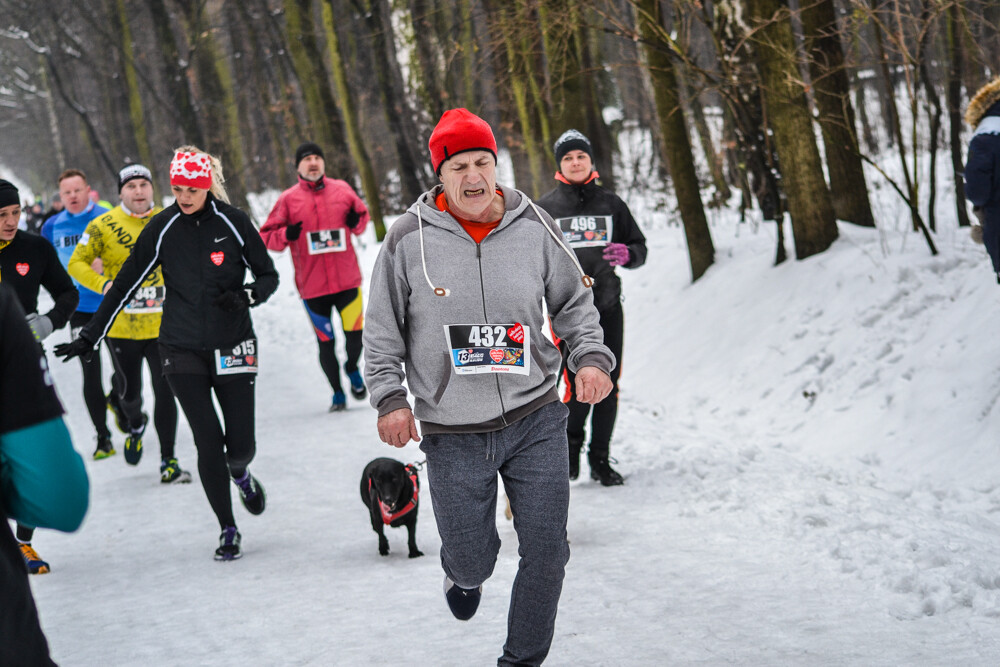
x,y
460,130
191,169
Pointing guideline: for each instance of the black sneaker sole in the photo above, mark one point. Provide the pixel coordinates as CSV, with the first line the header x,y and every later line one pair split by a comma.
x,y
133,454
260,494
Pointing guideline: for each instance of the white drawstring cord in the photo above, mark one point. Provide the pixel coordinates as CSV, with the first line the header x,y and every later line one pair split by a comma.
x,y
584,278
587,281
440,291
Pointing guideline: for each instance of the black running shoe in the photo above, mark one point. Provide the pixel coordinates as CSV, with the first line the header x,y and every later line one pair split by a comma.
x,y
463,602
115,405
133,443
229,544
251,493
601,471
104,448
358,389
171,472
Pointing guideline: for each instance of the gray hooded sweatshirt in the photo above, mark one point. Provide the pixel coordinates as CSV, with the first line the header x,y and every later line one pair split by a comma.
x,y
500,281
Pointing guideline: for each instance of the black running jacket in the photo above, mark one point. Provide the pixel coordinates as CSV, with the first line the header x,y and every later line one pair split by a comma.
x,y
592,199
202,256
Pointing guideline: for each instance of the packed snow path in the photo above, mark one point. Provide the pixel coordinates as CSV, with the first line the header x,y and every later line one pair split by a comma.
x,y
813,478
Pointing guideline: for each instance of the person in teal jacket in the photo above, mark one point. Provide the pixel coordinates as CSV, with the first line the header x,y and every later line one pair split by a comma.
x,y
42,478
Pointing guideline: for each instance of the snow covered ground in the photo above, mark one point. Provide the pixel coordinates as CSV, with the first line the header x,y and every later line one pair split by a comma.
x,y
813,478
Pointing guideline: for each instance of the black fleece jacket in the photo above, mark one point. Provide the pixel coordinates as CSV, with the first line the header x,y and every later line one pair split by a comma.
x,y
28,263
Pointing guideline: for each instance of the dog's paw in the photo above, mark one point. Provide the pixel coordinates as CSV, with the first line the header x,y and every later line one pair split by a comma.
x,y
416,554
383,547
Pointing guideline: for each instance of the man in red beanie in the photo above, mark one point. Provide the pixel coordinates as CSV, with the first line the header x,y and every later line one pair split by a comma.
x,y
316,218
475,260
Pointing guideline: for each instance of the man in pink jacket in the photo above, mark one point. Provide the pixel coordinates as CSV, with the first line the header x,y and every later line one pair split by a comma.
x,y
315,218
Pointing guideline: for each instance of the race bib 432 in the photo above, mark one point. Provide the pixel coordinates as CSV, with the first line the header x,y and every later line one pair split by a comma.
x,y
489,348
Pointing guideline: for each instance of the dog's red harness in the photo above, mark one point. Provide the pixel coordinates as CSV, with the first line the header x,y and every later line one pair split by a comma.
x,y
387,515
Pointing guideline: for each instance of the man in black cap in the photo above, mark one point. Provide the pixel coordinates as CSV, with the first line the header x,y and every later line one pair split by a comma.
x,y
27,263
316,219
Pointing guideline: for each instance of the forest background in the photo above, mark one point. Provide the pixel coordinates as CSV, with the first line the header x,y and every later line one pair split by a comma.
x,y
757,104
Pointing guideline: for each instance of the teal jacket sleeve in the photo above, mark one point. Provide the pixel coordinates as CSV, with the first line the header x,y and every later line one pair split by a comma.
x,y
43,482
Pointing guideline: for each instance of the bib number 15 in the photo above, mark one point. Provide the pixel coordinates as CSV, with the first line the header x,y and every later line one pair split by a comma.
x,y
488,336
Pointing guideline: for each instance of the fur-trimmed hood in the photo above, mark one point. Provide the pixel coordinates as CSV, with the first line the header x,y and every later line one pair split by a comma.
x,y
980,103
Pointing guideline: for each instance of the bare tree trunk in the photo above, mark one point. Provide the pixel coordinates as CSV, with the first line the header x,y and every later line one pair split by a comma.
x,y
135,107
954,102
432,91
712,157
814,225
175,73
677,145
848,190
50,109
398,114
354,140
324,124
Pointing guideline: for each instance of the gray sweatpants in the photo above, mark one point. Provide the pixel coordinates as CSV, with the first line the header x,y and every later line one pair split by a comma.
x,y
530,456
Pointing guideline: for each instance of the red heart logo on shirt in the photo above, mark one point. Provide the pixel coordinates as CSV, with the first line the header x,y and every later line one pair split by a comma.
x,y
496,354
516,333
22,268
217,257
589,236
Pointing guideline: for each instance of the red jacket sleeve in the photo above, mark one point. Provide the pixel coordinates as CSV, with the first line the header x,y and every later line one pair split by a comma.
x,y
273,231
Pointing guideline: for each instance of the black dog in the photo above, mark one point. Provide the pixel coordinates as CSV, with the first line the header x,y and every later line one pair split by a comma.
x,y
390,491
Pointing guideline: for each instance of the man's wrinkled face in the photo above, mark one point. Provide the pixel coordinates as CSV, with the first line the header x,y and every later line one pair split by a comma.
x,y
470,183
311,168
74,193
137,195
9,217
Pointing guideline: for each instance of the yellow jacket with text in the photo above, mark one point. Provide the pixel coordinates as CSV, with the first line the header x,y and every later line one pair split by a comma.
x,y
110,238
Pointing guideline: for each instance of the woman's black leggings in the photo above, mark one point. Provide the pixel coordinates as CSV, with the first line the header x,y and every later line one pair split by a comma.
x,y
93,383
127,356
222,453
606,412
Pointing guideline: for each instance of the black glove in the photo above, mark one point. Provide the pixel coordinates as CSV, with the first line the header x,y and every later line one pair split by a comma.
x,y
79,347
293,232
352,219
235,300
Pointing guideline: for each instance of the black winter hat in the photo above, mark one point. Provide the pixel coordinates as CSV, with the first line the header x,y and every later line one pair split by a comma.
x,y
305,150
8,194
572,140
132,172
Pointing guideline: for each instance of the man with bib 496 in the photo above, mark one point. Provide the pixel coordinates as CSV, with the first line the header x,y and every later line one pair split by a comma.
x,y
456,309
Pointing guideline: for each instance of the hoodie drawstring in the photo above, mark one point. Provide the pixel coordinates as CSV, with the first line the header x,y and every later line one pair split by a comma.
x,y
587,281
440,291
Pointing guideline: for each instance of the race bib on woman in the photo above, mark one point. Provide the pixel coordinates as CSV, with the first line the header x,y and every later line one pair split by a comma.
x,y
327,240
147,300
586,231
489,348
239,359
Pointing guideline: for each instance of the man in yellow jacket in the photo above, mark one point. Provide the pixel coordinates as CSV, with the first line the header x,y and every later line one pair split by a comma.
x,y
133,334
